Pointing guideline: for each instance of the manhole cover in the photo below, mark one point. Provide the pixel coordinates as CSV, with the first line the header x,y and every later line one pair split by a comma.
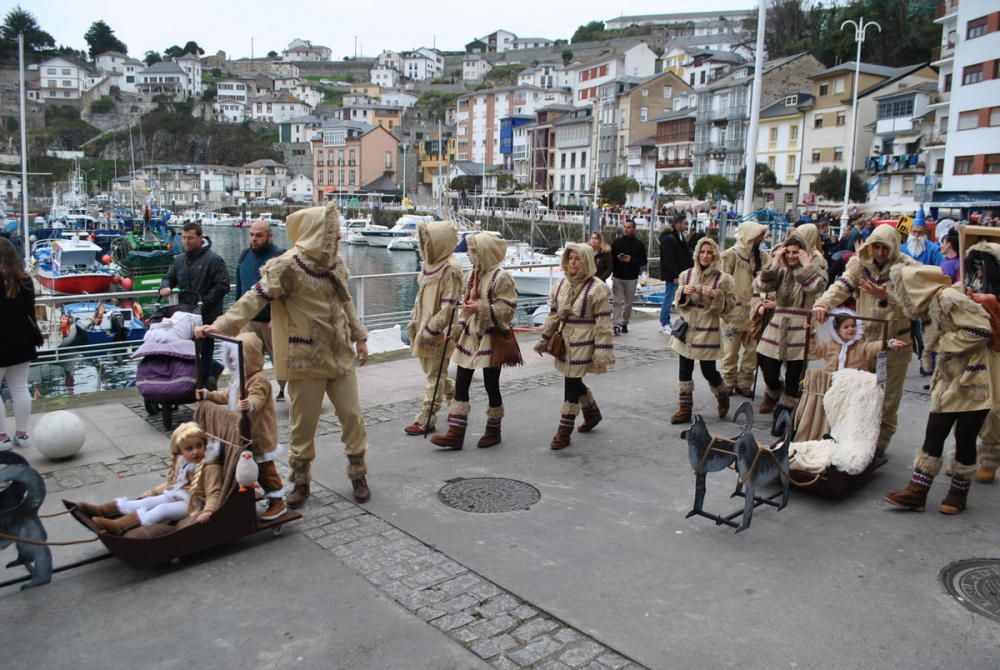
x,y
488,495
976,584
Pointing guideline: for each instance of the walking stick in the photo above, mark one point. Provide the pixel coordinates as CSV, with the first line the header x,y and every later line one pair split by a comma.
x,y
444,352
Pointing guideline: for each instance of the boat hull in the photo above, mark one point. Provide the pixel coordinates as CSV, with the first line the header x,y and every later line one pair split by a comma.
x,y
76,283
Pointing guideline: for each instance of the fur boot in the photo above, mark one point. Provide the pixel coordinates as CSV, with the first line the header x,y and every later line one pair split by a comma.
x,y
567,420
118,526
914,496
494,415
458,415
988,454
108,509
770,400
591,412
356,472
300,478
270,481
685,401
786,403
955,501
721,393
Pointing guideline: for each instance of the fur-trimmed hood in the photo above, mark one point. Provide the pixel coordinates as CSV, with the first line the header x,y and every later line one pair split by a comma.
x,y
749,231
253,353
913,287
991,248
697,273
488,250
810,235
315,232
589,266
886,235
437,240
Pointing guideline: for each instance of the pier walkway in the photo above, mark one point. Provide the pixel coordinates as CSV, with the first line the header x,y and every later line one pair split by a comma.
x,y
603,571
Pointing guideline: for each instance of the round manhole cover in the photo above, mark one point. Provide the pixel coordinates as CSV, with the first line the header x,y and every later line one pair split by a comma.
x,y
976,584
488,495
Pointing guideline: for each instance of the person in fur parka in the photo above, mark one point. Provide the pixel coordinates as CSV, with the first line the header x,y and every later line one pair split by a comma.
x,y
316,330
704,297
489,300
580,312
965,382
791,283
259,404
439,289
866,281
743,262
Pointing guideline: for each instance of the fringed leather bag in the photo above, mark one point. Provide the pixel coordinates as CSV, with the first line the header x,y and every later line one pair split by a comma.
x,y
557,345
505,351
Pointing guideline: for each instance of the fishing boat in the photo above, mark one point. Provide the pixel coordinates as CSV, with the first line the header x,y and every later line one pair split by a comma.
x,y
71,266
406,226
96,323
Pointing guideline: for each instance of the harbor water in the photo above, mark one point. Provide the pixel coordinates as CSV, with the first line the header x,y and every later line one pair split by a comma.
x,y
382,296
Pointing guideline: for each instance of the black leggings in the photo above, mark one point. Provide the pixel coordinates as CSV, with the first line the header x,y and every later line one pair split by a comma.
x,y
967,425
770,368
708,371
574,388
491,380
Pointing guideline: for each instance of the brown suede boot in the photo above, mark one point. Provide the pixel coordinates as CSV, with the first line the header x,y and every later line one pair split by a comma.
x,y
770,400
958,493
685,399
494,415
356,471
458,414
108,509
270,482
722,397
300,478
986,475
118,526
914,496
567,420
591,412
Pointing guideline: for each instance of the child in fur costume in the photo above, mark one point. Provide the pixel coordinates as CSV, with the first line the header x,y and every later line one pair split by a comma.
x,y
846,348
966,379
579,314
193,488
263,419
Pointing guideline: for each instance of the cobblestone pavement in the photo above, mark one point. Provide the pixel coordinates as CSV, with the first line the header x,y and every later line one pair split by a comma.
x,y
627,357
502,628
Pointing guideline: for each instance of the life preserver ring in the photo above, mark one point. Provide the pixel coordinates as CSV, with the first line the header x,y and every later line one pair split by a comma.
x,y
137,310
65,325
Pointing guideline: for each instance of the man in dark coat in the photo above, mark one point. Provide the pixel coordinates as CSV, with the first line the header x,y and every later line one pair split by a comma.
x,y
261,250
675,258
629,256
201,275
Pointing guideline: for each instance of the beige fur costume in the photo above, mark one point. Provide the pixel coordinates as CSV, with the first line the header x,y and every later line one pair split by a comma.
x,y
738,261
315,327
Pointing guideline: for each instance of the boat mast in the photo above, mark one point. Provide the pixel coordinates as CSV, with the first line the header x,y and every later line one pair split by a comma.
x,y
26,247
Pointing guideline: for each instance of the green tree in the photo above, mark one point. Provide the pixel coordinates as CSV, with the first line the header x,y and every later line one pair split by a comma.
x,y
151,57
16,22
830,185
100,37
675,182
588,33
764,179
467,183
567,56
272,54
615,190
191,47
712,186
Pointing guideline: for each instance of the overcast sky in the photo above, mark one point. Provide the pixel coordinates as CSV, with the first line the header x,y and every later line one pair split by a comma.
x,y
377,24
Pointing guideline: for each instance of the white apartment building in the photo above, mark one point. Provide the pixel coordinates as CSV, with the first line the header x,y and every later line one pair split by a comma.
x,y
384,76
191,65
277,108
532,43
63,78
307,93
229,112
573,151
390,59
478,116
968,105
263,179
545,75
232,98
779,144
474,67
586,78
304,50
300,189
397,98
417,67
164,78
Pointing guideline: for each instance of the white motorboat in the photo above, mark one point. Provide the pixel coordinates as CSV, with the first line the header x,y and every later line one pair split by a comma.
x,y
354,228
534,273
406,226
408,243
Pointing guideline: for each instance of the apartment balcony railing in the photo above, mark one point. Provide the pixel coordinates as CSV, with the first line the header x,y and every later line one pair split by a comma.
x,y
702,115
737,112
945,8
701,147
674,163
736,144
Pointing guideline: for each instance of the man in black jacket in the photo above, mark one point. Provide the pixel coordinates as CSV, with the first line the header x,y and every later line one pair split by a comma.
x,y
675,258
629,256
202,275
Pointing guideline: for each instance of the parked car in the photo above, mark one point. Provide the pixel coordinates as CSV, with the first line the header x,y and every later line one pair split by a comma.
x,y
275,202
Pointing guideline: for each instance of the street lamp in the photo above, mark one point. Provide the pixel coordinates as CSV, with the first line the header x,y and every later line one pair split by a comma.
x,y
860,27
404,145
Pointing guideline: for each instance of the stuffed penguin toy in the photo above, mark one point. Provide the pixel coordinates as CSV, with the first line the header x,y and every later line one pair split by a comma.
x,y
246,472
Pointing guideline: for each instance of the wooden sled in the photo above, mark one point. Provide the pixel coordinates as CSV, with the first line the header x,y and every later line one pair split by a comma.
x,y
834,483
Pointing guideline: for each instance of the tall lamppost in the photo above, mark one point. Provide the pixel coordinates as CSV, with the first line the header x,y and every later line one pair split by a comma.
x,y
860,28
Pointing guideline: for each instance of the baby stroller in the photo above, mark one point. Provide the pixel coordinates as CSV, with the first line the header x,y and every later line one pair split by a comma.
x,y
167,375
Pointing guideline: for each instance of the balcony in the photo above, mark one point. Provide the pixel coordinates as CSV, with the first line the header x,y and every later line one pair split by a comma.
x,y
737,112
674,163
942,53
701,148
945,9
737,144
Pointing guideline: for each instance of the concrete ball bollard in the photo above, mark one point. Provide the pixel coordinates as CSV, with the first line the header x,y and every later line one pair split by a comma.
x,y
59,435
